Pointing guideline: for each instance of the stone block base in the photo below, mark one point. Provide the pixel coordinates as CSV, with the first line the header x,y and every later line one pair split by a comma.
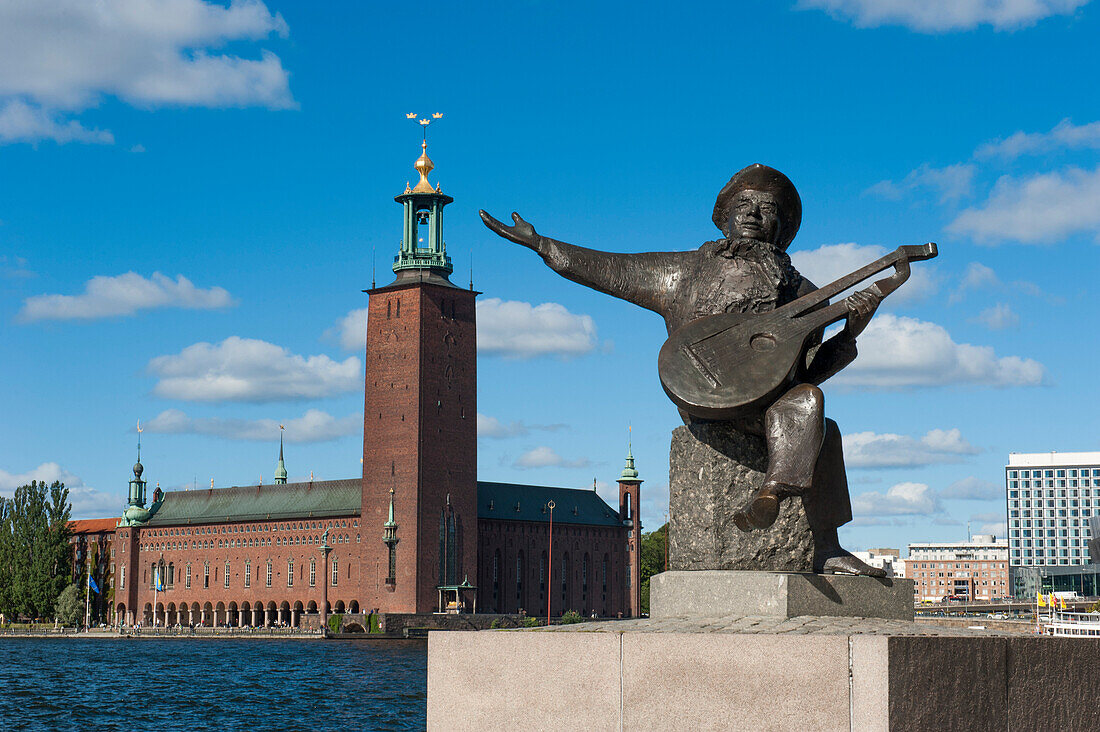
x,y
713,471
715,593
699,679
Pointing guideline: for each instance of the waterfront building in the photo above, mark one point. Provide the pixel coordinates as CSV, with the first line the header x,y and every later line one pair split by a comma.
x,y
972,570
93,543
417,532
887,559
1050,497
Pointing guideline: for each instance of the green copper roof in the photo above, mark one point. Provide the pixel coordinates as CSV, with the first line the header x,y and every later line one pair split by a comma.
x,y
514,502
280,469
630,473
257,503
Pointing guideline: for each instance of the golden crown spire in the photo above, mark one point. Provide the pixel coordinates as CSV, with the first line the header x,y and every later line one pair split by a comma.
x,y
424,164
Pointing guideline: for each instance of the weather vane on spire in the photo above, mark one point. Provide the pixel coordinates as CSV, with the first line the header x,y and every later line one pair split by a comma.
x,y
424,121
139,439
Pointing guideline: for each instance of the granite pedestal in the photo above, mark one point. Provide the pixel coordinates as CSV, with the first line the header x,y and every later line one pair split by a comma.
x,y
713,471
713,593
740,672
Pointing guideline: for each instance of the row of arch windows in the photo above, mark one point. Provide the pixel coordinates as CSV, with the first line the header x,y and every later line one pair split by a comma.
x,y
245,543
166,573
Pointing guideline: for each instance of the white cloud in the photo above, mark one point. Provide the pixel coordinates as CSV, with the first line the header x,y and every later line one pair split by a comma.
x,y
350,330
545,457
949,183
62,56
830,262
506,327
522,330
87,502
15,268
250,370
972,489
937,16
493,428
997,529
897,352
22,122
1036,209
874,450
313,426
902,499
999,317
124,294
978,276
1064,135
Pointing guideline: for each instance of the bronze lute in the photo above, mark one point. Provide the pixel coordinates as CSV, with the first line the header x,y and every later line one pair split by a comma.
x,y
727,365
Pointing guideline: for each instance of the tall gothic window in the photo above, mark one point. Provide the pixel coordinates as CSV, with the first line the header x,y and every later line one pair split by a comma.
x,y
391,577
312,572
290,573
542,577
335,571
225,577
122,579
206,575
247,572
268,580
519,579
496,581
564,581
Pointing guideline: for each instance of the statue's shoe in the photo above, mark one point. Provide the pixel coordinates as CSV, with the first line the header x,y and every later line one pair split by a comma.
x,y
848,564
759,513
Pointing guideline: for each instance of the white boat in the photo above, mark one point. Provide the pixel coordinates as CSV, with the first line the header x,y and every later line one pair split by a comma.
x,y
1073,625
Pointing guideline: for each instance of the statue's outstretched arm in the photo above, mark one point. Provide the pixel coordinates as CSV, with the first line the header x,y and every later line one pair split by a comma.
x,y
648,280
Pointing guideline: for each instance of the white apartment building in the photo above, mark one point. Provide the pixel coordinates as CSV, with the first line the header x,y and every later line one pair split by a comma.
x,y
1050,496
887,559
970,570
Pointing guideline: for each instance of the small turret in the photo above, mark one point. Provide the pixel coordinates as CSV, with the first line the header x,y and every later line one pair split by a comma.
x,y
280,469
423,209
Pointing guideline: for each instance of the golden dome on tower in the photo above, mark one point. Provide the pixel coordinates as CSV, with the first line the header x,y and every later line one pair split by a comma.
x,y
424,165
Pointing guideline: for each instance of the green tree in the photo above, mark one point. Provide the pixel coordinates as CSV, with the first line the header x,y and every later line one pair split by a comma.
x,y
70,606
35,555
653,549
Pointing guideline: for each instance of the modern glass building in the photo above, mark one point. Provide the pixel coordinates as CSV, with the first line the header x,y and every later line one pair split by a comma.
x,y
1050,497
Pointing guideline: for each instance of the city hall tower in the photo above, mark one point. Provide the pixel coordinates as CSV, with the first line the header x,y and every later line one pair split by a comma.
x,y
419,510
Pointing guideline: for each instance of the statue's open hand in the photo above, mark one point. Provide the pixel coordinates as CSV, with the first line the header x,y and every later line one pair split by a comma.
x,y
861,307
522,233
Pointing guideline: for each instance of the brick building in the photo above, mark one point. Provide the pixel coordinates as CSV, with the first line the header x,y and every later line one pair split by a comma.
x,y
970,570
417,532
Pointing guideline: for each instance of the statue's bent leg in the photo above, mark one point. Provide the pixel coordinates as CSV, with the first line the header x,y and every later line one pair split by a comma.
x,y
829,506
794,427
827,503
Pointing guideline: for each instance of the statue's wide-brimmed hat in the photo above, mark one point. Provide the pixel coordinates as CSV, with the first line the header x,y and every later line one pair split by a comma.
x,y
757,177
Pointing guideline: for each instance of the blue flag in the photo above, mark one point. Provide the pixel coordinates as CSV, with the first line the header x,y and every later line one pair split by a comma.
x,y
93,585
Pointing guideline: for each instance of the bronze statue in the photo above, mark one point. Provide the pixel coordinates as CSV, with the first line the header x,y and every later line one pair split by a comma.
x,y
748,273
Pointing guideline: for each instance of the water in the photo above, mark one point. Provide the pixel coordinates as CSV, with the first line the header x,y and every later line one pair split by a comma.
x,y
124,684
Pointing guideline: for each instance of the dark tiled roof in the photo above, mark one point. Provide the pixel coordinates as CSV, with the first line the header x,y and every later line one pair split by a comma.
x,y
257,503
499,501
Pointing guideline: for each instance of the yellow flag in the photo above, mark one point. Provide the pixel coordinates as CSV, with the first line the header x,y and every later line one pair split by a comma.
x,y
1062,602
1039,599
1052,602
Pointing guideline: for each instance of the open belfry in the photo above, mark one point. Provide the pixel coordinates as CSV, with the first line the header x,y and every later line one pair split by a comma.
x,y
417,532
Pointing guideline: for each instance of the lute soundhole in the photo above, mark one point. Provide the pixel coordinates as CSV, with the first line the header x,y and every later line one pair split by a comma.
x,y
762,342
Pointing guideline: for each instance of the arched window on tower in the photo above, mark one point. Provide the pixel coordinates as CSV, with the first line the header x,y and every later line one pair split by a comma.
x,y
248,573
226,577
290,572
268,573
335,571
206,575
187,577
312,572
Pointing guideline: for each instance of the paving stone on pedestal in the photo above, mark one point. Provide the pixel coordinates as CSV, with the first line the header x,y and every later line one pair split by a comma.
x,y
713,471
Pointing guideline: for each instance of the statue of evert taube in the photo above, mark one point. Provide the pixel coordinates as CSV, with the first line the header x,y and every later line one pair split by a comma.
x,y
745,342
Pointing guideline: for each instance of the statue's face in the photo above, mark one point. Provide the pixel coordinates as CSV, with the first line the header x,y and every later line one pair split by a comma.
x,y
754,215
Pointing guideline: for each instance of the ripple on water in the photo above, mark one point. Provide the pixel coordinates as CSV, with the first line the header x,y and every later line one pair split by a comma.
x,y
99,684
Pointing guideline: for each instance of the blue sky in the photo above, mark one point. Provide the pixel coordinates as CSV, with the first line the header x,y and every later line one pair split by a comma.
x,y
193,195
